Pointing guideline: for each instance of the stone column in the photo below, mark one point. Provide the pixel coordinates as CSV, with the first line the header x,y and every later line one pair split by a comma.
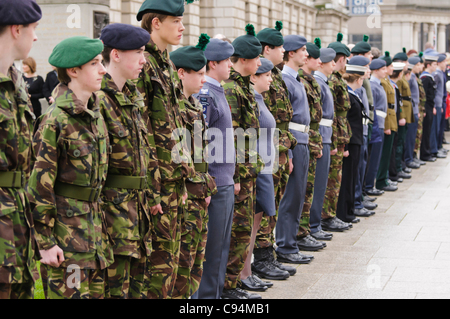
x,y
441,38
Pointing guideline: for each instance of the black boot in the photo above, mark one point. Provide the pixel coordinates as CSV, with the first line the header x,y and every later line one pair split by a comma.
x,y
264,267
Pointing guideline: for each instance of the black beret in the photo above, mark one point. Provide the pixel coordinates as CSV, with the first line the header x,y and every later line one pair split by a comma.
x,y
266,66
19,12
190,57
272,36
75,51
314,48
167,7
247,46
339,47
362,46
218,50
294,42
124,36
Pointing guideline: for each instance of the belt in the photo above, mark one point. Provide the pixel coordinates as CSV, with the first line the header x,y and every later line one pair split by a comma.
x,y
326,122
201,167
391,106
299,127
381,114
406,98
128,182
84,193
14,179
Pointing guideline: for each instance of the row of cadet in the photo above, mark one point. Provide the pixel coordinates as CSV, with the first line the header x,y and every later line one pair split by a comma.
x,y
114,204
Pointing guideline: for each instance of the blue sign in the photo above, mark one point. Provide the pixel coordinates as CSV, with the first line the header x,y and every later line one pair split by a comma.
x,y
363,7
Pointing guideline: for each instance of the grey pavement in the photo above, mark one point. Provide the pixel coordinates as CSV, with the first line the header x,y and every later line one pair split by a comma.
x,y
401,252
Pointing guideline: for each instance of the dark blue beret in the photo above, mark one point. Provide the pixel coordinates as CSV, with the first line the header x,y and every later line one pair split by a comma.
x,y
412,61
442,57
266,66
124,36
327,55
357,65
19,12
377,64
359,60
218,50
294,42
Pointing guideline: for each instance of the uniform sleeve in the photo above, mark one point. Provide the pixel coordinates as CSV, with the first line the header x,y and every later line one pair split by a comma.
x,y
41,185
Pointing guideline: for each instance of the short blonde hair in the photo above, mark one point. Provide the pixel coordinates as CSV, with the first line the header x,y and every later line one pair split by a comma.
x,y
31,63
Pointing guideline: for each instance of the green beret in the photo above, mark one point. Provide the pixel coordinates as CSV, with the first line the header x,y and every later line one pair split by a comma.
x,y
167,7
402,56
247,46
272,36
362,46
190,57
314,48
339,47
387,58
75,51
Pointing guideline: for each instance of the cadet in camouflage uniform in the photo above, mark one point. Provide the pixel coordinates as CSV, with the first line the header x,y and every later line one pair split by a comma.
x,y
71,145
277,100
341,136
191,64
304,239
163,110
18,270
423,100
244,113
124,195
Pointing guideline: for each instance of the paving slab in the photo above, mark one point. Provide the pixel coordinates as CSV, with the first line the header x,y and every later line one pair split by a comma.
x,y
402,252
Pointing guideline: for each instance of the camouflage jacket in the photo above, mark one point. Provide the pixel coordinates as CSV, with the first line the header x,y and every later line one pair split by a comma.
x,y
126,208
160,86
17,241
71,145
312,89
278,103
341,128
202,185
244,114
422,95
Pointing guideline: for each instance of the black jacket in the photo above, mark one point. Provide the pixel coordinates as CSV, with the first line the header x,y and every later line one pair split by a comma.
x,y
355,117
51,81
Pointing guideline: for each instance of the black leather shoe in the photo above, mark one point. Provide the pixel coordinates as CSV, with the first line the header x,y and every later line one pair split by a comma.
x,y
369,205
368,198
374,192
389,188
294,258
429,159
268,284
321,235
238,293
265,266
404,175
251,284
309,243
413,165
333,225
363,212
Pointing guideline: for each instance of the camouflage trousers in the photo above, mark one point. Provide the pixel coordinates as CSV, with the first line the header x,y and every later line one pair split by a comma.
x,y
162,266
265,236
194,232
75,284
241,231
304,229
17,291
126,278
419,135
334,184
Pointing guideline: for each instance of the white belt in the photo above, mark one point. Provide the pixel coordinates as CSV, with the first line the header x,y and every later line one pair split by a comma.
x,y
381,114
326,122
298,127
365,121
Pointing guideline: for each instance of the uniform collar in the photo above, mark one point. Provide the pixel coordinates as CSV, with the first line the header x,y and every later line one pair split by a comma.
x,y
66,100
127,97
